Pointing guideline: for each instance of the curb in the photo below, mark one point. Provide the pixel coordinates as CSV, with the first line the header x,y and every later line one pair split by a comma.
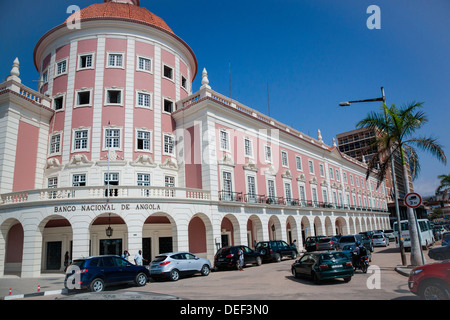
x,y
37,294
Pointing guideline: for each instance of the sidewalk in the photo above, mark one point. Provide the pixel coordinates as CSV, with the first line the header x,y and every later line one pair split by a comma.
x,y
46,284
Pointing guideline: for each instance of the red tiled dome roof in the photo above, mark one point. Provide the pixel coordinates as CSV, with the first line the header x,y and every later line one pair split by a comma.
x,y
121,11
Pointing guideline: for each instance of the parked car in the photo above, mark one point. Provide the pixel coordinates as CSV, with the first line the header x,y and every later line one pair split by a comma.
x,y
227,257
351,239
439,253
323,265
276,250
378,239
367,240
95,273
327,243
173,265
446,239
311,243
431,281
389,233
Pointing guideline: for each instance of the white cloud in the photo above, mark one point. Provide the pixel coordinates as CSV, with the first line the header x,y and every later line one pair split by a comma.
x,y
426,186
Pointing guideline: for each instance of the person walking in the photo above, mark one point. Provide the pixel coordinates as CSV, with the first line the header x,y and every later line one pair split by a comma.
x,y
241,258
139,259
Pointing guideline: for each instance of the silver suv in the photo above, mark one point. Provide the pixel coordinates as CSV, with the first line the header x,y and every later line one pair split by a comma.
x,y
175,264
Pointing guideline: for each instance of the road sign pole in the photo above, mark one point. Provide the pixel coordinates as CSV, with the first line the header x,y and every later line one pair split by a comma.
x,y
420,236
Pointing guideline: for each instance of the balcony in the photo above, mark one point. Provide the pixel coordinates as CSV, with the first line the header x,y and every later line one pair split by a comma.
x,y
102,192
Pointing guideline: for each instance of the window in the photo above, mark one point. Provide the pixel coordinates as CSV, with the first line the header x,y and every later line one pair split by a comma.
x,y
169,144
268,153
321,170
324,195
55,143
331,173
112,138
144,100
248,147
79,180
357,181
284,159
144,64
183,82
143,140
115,60
61,67
287,191
251,189
362,183
53,182
338,178
85,61
224,140
311,166
345,177
271,189
168,72
354,201
169,181
143,179
81,140
83,98
58,103
298,162
302,195
114,96
112,178
351,179
314,195
168,105
335,198
45,77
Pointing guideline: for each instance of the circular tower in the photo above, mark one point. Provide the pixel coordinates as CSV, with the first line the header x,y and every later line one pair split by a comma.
x,y
114,71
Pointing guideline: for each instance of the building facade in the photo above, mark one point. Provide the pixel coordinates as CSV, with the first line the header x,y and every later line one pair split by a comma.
x,y
115,139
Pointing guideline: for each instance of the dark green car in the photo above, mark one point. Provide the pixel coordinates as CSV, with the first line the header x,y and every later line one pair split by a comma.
x,y
323,265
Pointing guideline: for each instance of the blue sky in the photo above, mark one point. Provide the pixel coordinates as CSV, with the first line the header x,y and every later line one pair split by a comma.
x,y
313,54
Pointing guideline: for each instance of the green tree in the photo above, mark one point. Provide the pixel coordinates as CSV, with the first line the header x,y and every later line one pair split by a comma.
x,y
444,186
398,127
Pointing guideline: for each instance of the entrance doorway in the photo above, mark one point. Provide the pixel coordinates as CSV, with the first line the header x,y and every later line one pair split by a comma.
x,y
54,255
147,250
111,246
165,244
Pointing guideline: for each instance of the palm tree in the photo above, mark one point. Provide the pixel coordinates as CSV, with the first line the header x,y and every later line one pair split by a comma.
x,y
398,127
444,187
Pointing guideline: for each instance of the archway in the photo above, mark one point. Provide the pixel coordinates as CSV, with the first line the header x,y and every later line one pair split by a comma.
x,y
254,230
230,231
11,239
159,235
341,226
274,226
200,236
328,227
318,230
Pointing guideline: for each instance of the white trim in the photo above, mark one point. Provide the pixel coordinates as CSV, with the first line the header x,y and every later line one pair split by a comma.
x,y
92,54
136,140
56,133
88,144
138,56
56,96
143,91
56,74
173,72
77,91
164,145
121,103
108,66
111,127
162,105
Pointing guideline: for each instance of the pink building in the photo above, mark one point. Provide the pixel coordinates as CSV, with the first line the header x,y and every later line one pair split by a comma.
x,y
115,136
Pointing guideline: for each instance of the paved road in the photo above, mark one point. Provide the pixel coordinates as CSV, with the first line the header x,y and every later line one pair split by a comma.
x,y
271,281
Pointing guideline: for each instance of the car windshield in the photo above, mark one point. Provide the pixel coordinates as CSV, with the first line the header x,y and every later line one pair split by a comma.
x,y
377,236
332,256
159,259
347,239
324,240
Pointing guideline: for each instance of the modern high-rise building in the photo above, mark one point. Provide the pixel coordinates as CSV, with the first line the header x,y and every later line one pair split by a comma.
x,y
116,151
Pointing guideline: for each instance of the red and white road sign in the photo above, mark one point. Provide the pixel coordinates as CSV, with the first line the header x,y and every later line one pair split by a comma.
x,y
413,200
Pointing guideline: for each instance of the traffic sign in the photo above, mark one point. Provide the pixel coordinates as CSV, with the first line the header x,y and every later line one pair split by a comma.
x,y
413,200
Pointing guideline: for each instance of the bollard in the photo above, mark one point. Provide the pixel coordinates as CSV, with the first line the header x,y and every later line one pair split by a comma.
x,y
39,288
9,291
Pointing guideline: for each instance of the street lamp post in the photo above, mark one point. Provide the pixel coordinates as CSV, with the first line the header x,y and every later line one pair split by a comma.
x,y
394,183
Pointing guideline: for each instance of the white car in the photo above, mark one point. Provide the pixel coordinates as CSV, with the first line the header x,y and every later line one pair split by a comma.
x,y
175,264
378,239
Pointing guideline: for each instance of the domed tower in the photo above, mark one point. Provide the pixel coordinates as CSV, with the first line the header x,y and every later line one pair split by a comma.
x,y
114,82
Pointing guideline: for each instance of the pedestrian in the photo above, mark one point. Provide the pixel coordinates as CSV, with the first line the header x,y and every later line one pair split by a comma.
x,y
125,255
295,243
241,258
139,259
66,260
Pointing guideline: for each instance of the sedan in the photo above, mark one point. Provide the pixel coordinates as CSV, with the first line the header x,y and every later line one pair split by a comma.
x,y
378,239
175,264
323,265
440,253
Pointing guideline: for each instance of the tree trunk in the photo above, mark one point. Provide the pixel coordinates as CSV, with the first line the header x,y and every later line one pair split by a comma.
x,y
416,253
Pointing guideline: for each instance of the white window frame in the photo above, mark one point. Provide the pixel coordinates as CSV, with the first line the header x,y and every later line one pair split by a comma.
x,y
287,183
57,96
143,182
321,169
311,166
108,62
138,68
105,145
163,107
315,199
107,178
247,188
52,182
166,153
50,144
82,90
173,72
268,180
284,159
182,76
44,81
302,193
150,132
331,170
85,54
65,60
144,92
336,173
248,154
74,132
268,155
107,103
298,160
224,133
325,195
78,176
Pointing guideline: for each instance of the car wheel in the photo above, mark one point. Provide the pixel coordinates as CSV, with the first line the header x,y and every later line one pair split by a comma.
x,y
277,257
347,279
97,285
174,275
434,291
141,279
205,270
258,261
294,255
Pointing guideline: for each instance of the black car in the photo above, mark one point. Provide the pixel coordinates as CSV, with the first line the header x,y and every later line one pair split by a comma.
x,y
276,250
227,257
95,273
440,253
311,243
322,265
